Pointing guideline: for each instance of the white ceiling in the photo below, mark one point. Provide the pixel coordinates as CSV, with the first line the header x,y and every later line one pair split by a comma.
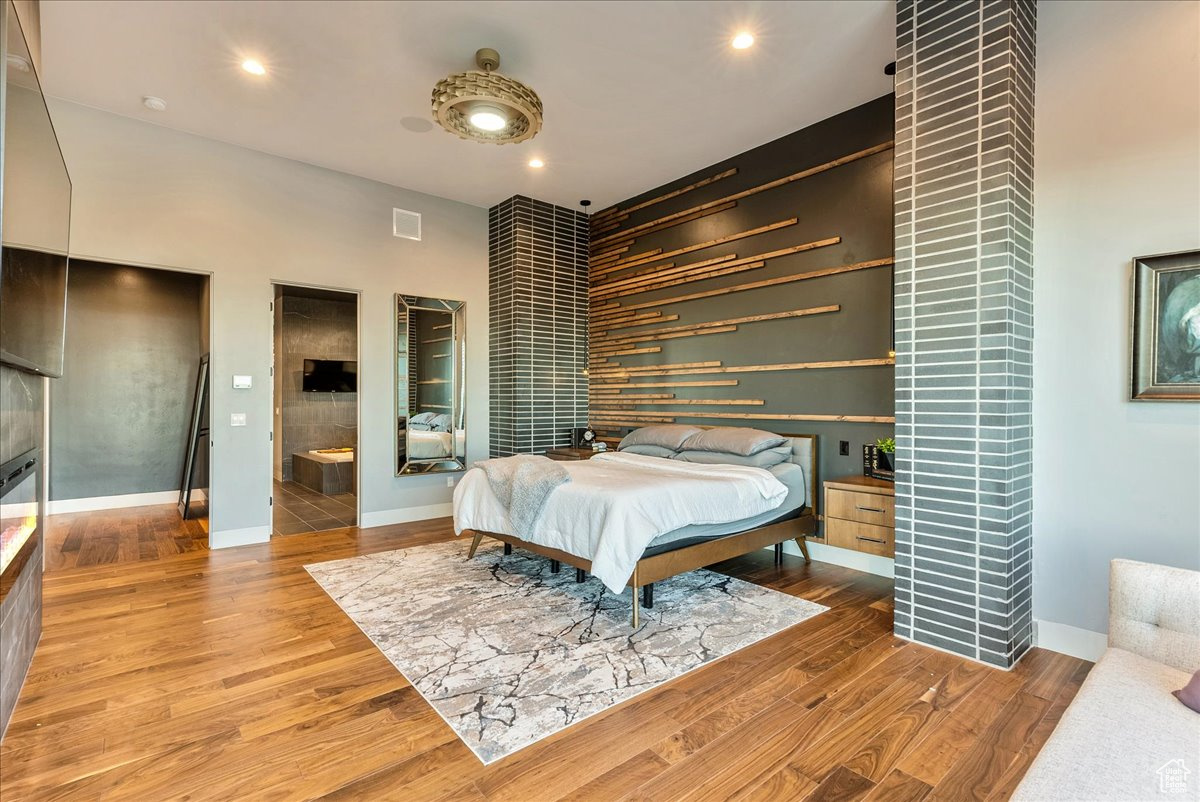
x,y
636,93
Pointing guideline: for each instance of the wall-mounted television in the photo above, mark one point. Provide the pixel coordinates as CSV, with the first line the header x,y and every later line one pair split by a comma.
x,y
330,376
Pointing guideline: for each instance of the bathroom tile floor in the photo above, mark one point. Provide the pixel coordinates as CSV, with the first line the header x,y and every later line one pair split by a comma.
x,y
297,509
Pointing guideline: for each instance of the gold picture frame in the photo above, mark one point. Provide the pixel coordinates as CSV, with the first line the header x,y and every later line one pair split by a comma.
x,y
1165,327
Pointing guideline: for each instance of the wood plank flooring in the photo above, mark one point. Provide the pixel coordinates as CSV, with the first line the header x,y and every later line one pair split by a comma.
x,y
230,675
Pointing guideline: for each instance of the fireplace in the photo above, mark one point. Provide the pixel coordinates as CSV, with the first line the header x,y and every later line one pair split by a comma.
x,y
18,516
20,575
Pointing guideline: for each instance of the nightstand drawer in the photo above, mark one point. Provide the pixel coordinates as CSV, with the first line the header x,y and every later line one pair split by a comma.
x,y
867,508
872,539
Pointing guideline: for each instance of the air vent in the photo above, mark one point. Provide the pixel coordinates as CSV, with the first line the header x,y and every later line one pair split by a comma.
x,y
406,224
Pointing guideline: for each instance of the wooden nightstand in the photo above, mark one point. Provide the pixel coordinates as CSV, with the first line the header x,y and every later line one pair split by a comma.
x,y
567,454
860,514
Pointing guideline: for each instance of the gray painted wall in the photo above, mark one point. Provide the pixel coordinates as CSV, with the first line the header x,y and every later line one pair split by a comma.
x,y
313,328
1112,477
853,201
120,415
148,195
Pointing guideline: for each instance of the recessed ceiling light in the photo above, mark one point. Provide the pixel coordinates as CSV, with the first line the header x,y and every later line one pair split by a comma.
x,y
254,67
743,40
488,118
536,163
154,103
18,63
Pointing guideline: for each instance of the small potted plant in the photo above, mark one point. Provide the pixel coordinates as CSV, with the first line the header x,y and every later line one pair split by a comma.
x,y
878,459
885,451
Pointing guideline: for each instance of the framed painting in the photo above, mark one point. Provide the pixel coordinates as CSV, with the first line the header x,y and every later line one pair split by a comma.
x,y
1166,327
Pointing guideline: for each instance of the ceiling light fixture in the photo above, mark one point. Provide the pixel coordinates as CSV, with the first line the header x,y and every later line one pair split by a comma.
x,y
154,103
254,67
484,106
537,164
743,40
18,63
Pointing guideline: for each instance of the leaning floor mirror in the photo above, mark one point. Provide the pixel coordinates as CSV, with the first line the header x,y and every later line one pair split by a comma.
x,y
430,391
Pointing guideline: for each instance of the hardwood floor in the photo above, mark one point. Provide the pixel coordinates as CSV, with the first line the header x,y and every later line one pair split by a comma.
x,y
107,537
229,674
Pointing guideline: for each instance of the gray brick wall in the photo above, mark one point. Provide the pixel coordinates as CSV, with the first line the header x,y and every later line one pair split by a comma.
x,y
964,325
538,291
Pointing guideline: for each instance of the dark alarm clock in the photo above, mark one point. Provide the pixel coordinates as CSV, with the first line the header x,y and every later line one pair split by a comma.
x,y
582,437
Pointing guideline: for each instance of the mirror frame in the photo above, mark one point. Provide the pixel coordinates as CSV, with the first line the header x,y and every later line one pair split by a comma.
x,y
458,391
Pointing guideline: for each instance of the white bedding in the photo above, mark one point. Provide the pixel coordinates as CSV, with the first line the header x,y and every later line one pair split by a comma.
x,y
615,504
433,445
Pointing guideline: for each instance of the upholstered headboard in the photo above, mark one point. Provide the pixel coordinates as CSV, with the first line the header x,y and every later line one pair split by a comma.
x,y
804,454
1154,611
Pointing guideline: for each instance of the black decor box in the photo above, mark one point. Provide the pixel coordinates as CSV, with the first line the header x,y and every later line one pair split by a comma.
x,y
878,464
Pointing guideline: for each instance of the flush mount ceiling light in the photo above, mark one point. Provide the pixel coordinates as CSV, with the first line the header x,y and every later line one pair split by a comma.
x,y
536,163
154,103
743,40
254,67
484,106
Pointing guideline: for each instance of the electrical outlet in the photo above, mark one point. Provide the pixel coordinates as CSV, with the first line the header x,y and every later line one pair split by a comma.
x,y
449,481
844,448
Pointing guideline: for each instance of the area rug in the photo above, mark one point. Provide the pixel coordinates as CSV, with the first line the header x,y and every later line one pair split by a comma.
x,y
509,653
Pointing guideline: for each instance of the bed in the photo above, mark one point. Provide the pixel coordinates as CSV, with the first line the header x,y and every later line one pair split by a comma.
x,y
667,553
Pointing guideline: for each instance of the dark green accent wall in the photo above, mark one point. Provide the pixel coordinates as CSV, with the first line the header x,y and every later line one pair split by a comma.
x,y
853,201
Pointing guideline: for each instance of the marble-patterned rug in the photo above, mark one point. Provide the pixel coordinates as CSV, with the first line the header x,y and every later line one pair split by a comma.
x,y
509,653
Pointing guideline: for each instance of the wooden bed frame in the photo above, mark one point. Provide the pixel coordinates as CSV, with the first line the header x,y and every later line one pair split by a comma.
x,y
688,558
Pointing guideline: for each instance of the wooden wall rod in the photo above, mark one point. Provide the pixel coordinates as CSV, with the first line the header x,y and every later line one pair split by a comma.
x,y
631,386
716,272
607,350
828,271
716,402
635,396
766,416
675,366
626,373
651,334
622,238
699,246
627,352
820,168
642,321
656,271
615,256
613,210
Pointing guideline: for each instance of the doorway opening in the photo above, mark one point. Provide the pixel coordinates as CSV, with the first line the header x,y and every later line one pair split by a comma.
x,y
315,405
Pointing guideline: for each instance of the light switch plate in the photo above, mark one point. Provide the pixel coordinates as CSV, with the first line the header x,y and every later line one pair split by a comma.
x,y
237,419
242,382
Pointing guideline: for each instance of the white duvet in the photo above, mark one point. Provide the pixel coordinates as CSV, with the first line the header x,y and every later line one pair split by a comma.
x,y
615,504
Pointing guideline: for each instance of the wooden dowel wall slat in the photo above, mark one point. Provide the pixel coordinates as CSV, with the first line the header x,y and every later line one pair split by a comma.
x,y
715,402
754,285
675,366
660,318
605,349
668,283
623,372
635,397
764,416
651,273
652,334
631,352
625,239
639,385
699,246
811,171
613,210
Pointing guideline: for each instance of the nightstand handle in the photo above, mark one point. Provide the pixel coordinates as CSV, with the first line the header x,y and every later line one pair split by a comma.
x,y
871,539
869,509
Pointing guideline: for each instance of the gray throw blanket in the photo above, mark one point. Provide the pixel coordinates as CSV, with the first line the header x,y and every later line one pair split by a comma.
x,y
522,483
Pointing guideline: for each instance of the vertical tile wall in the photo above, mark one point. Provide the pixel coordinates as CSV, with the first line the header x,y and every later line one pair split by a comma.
x,y
964,325
538,288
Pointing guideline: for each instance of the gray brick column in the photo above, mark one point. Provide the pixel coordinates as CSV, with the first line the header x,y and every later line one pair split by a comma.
x,y
964,325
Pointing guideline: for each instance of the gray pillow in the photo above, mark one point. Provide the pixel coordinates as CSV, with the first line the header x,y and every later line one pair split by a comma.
x,y
666,435
647,450
733,440
763,459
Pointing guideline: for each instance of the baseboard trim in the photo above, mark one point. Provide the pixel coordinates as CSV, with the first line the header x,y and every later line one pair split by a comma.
x,y
405,515
69,505
229,538
1066,639
856,560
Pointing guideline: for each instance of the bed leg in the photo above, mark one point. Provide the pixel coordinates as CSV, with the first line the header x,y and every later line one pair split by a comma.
x,y
555,566
580,575
778,554
803,544
648,596
475,541
634,584
507,549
